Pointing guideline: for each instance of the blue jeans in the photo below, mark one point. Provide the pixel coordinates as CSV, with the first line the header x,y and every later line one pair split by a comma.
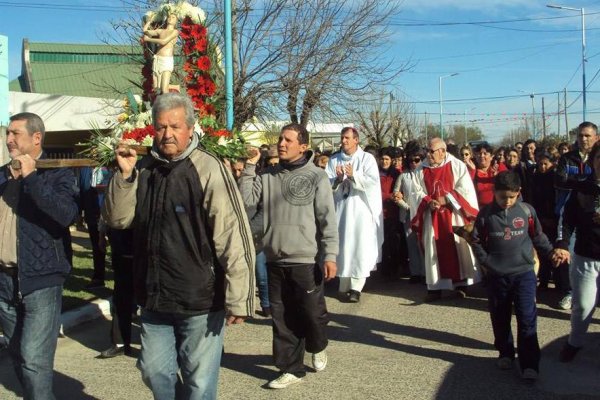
x,y
191,344
584,280
31,328
262,279
503,292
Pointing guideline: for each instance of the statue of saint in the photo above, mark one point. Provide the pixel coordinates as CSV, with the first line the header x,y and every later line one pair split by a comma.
x,y
163,63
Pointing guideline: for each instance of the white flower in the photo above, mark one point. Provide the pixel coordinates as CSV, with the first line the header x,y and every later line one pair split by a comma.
x,y
147,141
198,129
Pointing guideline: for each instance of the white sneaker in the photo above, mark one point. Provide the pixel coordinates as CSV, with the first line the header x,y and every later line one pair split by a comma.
x,y
284,380
319,360
530,375
566,302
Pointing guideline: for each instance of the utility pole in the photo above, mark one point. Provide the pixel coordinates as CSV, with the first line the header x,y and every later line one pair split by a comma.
x,y
426,123
465,122
543,120
532,95
558,113
566,119
228,66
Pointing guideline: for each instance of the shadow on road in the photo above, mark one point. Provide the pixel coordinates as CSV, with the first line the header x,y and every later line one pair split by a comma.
x,y
64,387
258,366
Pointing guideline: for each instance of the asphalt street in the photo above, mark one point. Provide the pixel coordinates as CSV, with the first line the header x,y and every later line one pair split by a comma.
x,y
388,346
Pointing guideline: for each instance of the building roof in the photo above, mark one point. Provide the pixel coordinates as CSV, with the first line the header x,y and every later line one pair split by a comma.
x,y
87,70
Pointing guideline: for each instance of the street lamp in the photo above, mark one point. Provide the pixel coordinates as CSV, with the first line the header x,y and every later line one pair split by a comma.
x,y
465,122
441,104
532,95
582,11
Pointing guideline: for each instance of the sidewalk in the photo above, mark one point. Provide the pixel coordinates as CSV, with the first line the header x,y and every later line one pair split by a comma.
x,y
389,346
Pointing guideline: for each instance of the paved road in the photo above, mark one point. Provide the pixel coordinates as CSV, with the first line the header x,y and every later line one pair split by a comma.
x,y
389,346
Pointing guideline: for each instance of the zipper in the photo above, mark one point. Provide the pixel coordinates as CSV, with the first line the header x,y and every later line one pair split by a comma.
x,y
19,299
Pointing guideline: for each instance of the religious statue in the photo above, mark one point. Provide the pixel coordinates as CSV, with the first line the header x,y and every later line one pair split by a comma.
x,y
163,63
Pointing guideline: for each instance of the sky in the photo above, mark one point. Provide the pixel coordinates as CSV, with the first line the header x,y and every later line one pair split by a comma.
x,y
503,52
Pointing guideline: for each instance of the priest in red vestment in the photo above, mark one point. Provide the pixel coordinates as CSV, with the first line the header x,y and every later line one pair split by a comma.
x,y
446,198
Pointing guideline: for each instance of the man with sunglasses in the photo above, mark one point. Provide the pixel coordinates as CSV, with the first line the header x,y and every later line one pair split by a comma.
x,y
445,197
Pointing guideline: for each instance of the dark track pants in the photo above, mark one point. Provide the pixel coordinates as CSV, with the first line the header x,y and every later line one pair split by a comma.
x,y
299,314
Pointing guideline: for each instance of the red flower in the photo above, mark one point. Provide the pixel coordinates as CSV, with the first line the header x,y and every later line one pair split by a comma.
x,y
138,134
201,45
188,47
210,88
221,132
198,31
203,63
185,34
210,109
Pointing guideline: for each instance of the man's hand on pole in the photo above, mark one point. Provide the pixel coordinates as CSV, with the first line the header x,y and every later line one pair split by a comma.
x,y
126,159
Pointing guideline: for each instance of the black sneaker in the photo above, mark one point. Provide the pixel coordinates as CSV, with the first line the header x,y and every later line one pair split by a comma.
x,y
432,295
568,353
115,351
94,284
354,296
265,312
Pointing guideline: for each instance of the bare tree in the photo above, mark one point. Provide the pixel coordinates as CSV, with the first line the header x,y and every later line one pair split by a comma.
x,y
301,57
295,57
386,121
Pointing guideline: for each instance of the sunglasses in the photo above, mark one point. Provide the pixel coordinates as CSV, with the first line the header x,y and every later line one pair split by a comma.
x,y
415,160
466,154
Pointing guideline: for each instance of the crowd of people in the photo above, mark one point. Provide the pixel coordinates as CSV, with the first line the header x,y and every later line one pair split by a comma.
x,y
193,237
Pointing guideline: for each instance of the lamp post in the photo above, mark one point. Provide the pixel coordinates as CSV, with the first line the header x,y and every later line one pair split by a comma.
x,y
465,122
441,104
582,11
531,95
533,115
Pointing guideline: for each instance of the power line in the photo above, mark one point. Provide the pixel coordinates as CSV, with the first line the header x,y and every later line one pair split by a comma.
x,y
70,7
506,21
483,53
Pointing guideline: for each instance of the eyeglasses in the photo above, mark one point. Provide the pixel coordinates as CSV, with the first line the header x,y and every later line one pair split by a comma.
x,y
431,151
415,160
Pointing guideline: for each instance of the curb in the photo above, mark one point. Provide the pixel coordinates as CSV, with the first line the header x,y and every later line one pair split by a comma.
x,y
93,310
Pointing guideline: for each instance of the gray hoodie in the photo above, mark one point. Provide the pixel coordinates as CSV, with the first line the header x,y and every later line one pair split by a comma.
x,y
299,215
503,239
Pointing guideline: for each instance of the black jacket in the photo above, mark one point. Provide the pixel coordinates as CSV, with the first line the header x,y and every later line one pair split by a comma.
x,y
192,245
571,174
47,206
577,217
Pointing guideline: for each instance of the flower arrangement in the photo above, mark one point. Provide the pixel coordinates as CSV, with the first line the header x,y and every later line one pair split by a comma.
x,y
201,63
134,127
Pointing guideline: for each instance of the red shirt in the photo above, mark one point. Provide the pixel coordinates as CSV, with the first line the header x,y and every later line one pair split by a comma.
x,y
387,180
484,183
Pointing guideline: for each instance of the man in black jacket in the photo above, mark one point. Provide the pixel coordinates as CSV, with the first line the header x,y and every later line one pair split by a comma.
x,y
571,174
193,267
36,209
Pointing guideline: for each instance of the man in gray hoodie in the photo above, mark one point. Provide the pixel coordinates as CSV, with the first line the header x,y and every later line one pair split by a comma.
x,y
301,245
